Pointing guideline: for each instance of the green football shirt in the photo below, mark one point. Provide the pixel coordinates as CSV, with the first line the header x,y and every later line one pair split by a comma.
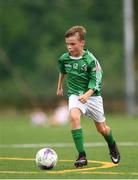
x,y
83,73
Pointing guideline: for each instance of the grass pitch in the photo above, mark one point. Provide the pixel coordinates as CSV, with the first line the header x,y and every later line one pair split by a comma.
x,y
20,141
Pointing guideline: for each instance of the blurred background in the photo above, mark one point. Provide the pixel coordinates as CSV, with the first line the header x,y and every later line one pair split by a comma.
x,y
32,40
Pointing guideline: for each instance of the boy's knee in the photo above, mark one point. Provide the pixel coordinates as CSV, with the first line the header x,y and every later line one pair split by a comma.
x,y
72,115
75,118
104,130
75,114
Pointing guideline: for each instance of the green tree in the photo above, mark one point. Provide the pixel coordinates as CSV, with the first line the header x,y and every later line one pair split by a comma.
x,y
32,39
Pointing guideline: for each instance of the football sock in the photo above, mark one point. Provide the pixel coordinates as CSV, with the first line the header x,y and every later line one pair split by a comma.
x,y
77,135
109,138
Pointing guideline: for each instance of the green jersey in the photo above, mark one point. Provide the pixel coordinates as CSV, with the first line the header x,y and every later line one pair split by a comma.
x,y
83,73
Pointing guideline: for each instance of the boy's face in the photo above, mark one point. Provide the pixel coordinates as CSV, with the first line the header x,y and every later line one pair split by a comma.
x,y
75,45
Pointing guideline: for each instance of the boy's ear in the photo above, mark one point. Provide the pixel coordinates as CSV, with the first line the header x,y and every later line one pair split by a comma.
x,y
83,42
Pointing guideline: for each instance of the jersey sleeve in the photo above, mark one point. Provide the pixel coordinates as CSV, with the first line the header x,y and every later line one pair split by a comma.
x,y
95,76
61,66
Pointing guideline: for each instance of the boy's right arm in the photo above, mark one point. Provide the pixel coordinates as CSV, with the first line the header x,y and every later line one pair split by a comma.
x,y
60,84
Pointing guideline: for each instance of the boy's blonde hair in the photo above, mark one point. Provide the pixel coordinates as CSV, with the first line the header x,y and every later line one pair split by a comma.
x,y
80,30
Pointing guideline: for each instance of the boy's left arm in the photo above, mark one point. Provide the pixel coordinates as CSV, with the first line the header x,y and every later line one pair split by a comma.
x,y
95,79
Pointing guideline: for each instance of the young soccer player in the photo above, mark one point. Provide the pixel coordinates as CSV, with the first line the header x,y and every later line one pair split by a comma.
x,y
84,78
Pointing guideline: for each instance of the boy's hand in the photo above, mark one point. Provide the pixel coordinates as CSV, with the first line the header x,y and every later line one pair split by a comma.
x,y
84,97
60,92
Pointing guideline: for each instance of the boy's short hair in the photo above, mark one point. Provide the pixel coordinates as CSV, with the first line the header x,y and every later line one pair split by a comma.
x,y
80,30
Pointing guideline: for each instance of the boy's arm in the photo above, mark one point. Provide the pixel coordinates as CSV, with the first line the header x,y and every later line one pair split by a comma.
x,y
60,84
95,76
94,83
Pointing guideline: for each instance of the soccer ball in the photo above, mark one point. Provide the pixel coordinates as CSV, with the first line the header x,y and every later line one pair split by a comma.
x,y
46,158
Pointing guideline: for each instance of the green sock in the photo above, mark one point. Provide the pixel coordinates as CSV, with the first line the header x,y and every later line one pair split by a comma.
x,y
109,138
77,135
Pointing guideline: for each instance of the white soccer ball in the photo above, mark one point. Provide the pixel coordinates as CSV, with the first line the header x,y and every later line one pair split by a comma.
x,y
46,158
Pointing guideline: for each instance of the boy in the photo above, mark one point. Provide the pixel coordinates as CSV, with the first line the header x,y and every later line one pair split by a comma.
x,y
84,76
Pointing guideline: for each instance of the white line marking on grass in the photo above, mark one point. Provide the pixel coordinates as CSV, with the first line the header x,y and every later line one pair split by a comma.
x,y
96,144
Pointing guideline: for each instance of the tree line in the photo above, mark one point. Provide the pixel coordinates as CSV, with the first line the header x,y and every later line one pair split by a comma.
x,y
32,39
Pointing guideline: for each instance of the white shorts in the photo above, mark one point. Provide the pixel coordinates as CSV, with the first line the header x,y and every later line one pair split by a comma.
x,y
92,108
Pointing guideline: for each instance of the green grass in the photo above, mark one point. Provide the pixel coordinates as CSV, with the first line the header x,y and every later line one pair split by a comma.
x,y
16,129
